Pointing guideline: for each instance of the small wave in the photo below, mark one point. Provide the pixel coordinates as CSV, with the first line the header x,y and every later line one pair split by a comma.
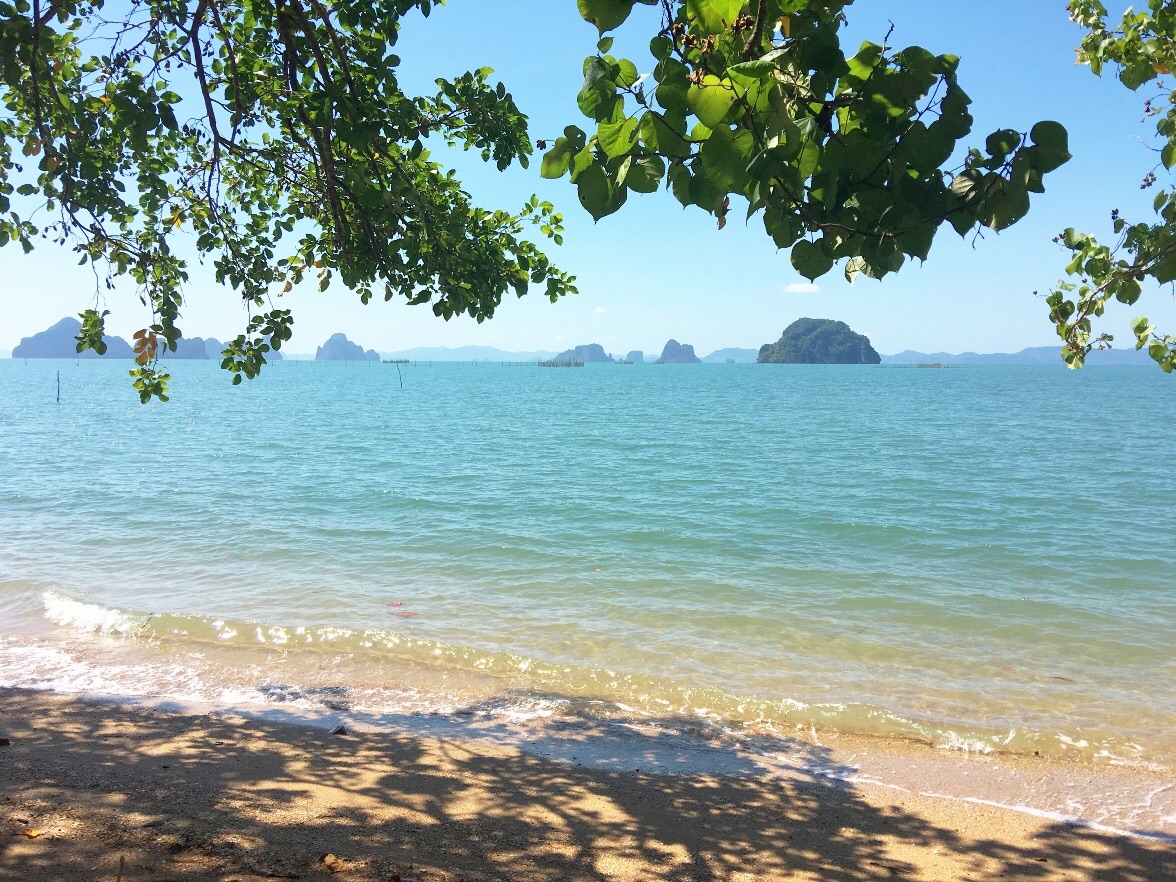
x,y
90,617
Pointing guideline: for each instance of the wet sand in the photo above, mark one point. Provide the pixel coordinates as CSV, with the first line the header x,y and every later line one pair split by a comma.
x,y
91,790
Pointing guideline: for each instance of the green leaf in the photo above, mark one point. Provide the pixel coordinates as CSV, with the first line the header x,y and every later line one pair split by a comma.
x,y
1006,205
854,268
597,194
626,73
1051,143
669,131
810,260
557,160
783,227
1164,270
710,100
605,14
713,15
725,159
672,97
617,139
645,174
752,70
1168,154
1002,143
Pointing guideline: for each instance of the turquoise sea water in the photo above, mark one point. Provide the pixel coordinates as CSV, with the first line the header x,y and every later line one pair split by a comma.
x,y
982,558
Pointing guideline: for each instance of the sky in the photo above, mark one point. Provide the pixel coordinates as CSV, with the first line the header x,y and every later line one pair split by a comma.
x,y
654,270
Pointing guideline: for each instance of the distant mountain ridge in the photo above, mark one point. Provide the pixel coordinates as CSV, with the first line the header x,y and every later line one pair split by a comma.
x,y
739,356
1050,355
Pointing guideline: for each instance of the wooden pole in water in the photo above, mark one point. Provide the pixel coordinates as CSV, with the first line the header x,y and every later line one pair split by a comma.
x,y
59,387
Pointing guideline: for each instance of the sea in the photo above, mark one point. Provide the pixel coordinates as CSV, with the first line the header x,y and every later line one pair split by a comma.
x,y
978,561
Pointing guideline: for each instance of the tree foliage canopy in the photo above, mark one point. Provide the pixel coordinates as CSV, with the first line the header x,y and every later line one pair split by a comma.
x,y
273,134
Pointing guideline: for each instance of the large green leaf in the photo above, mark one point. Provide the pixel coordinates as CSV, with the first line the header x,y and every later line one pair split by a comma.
x,y
597,193
714,15
645,174
725,159
810,260
605,14
617,139
1052,145
711,99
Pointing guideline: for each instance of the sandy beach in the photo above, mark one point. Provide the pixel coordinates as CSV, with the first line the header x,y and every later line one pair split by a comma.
x,y
95,791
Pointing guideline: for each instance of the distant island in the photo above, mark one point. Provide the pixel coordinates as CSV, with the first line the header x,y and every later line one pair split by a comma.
x,y
59,342
590,353
819,341
339,348
678,353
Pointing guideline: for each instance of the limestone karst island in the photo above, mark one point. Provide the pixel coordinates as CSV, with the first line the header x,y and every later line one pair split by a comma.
x,y
819,341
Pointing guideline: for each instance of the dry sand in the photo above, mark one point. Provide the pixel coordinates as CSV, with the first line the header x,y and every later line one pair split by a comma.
x,y
175,797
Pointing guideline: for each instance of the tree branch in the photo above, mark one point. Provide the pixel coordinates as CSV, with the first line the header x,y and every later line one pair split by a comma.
x,y
755,38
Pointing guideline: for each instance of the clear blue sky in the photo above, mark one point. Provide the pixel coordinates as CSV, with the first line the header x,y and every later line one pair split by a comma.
x,y
655,271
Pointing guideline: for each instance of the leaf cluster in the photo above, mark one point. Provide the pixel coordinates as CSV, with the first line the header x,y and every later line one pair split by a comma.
x,y
850,158
1141,48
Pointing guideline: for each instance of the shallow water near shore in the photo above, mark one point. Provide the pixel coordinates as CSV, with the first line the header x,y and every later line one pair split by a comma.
x,y
976,559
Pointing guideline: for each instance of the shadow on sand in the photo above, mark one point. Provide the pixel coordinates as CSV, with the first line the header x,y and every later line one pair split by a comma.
x,y
215,798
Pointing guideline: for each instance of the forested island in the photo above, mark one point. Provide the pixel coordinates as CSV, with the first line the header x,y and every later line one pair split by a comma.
x,y
819,341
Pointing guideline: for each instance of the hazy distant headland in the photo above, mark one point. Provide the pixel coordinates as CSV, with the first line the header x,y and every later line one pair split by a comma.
x,y
60,341
1046,355
731,356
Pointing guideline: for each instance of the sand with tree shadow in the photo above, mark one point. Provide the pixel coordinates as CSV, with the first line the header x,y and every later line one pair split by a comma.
x,y
91,790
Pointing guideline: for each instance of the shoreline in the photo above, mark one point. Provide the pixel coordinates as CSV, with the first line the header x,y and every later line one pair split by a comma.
x,y
197,795
130,657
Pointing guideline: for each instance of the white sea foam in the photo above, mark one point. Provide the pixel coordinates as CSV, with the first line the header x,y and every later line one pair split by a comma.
x,y
1059,817
954,741
90,617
